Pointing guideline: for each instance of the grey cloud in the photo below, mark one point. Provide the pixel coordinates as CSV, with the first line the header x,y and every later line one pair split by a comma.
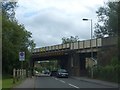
x,y
50,25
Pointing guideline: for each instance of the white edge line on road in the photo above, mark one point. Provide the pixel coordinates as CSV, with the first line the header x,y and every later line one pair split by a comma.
x,y
73,85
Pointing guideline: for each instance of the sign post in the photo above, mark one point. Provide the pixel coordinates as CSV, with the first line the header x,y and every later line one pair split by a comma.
x,y
21,58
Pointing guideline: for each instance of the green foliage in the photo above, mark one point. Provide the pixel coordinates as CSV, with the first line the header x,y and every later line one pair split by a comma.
x,y
8,9
107,20
115,61
71,39
110,72
15,38
108,24
51,65
7,82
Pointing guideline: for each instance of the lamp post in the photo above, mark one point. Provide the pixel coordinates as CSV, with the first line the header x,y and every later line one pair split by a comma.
x,y
85,19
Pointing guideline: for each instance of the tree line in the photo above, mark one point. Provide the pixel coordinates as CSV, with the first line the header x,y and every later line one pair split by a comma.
x,y
108,19
15,38
108,25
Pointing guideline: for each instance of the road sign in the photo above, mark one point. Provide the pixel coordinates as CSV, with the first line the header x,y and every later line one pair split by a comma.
x,y
21,56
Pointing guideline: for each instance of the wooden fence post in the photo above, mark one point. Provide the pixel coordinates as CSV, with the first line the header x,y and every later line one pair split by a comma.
x,y
14,72
24,73
17,74
20,74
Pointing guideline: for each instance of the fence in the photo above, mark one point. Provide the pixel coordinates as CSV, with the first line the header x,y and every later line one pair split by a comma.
x,y
18,74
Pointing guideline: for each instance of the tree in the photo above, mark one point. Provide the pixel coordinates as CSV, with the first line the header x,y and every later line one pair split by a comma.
x,y
108,24
32,46
107,20
71,39
15,38
8,9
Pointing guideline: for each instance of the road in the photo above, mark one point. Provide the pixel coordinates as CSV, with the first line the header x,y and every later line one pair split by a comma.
x,y
53,82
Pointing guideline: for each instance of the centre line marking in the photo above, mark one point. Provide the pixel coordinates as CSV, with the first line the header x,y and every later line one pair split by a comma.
x,y
62,81
73,85
55,78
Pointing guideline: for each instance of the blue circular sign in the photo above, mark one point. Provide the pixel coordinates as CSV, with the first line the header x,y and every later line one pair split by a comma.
x,y
21,53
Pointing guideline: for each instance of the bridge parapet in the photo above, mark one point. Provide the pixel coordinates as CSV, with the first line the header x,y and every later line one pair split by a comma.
x,y
85,44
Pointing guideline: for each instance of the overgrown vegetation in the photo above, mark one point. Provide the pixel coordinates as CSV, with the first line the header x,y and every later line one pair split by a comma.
x,y
109,72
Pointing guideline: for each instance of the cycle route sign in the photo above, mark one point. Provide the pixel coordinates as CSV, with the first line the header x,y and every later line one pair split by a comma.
x,y
21,56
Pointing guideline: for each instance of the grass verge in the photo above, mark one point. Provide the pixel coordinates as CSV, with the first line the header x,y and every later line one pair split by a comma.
x,y
7,82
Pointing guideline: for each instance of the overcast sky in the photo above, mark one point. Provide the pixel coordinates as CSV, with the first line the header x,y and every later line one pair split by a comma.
x,y
50,20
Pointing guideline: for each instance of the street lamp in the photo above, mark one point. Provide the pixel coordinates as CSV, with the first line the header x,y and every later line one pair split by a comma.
x,y
85,19
91,35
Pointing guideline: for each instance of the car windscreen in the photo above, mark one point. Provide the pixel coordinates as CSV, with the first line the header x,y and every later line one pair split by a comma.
x,y
62,70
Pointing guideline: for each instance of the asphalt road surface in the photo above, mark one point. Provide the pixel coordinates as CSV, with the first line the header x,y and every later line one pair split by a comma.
x,y
53,82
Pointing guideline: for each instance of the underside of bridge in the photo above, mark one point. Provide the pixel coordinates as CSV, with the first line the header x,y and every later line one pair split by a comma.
x,y
73,62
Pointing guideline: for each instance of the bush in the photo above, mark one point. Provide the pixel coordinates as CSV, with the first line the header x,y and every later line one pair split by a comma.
x,y
109,73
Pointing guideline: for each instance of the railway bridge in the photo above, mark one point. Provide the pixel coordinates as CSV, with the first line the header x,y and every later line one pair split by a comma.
x,y
75,57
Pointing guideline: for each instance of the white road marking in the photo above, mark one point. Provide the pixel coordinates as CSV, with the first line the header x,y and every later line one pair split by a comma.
x,y
73,85
55,78
62,81
59,80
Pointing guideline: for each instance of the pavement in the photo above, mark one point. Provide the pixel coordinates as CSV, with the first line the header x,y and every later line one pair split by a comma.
x,y
29,82
101,82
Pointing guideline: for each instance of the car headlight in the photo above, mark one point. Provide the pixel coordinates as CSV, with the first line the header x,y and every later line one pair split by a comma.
x,y
58,73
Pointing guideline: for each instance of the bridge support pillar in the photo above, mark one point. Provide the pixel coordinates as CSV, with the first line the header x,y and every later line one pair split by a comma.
x,y
74,64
